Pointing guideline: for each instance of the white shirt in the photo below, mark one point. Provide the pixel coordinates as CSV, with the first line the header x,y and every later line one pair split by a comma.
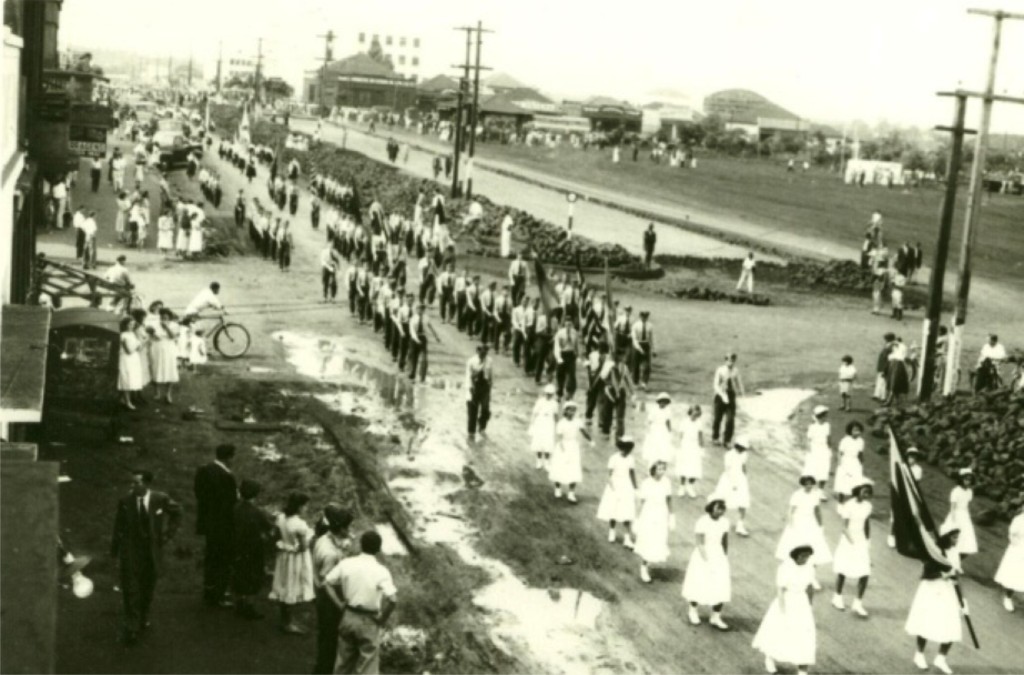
x,y
118,274
996,352
77,219
89,228
748,265
329,259
205,299
847,372
363,580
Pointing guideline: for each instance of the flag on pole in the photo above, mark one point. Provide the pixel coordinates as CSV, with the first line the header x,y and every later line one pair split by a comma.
x,y
609,306
548,297
912,523
243,129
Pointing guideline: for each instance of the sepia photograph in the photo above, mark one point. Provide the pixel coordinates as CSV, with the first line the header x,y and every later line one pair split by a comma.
x,y
570,338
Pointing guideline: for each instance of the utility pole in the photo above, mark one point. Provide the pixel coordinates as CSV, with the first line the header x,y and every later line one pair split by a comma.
x,y
190,70
328,41
974,197
475,111
259,71
460,102
926,382
220,57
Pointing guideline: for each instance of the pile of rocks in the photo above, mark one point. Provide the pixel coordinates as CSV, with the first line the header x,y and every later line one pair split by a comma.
x,y
712,295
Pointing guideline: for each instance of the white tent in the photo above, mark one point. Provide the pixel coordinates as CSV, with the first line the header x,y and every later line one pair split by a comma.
x,y
875,172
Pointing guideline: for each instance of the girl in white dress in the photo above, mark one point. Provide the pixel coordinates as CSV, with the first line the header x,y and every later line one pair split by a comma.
x,y
818,461
542,426
196,349
658,441
165,232
618,503
165,354
293,569
853,553
850,471
566,466
184,341
129,363
195,239
959,516
935,612
708,576
733,486
122,214
803,526
787,632
690,453
1010,574
917,472
655,520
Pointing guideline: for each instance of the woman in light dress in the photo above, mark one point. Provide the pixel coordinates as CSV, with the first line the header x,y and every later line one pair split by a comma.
x,y
566,466
708,575
1010,574
542,426
658,441
122,215
803,526
618,502
293,569
145,324
853,553
129,363
818,461
935,611
850,471
165,232
655,520
164,352
689,460
733,485
196,238
959,516
787,633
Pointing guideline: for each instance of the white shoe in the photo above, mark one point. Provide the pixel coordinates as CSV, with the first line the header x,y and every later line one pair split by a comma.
x,y
572,497
682,491
815,584
858,608
837,602
769,665
694,616
645,575
940,663
558,493
741,529
540,463
611,536
1008,603
716,621
920,661
628,542
891,541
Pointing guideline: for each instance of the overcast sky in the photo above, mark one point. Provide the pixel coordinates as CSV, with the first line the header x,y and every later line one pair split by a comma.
x,y
870,60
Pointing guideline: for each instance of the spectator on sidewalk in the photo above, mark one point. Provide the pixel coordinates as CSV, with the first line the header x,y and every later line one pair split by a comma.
x,y
216,493
329,549
650,239
251,531
727,384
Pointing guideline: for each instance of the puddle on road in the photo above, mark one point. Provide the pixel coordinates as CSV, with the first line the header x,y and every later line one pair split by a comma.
x,y
549,630
766,420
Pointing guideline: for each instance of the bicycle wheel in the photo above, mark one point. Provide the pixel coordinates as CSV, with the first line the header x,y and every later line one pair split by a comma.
x,y
232,340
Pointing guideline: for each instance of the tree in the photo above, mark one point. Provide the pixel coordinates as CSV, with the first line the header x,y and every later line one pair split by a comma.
x,y
240,81
277,88
375,51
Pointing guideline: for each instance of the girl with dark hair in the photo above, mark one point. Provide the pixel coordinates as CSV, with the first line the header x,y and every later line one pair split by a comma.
x,y
293,571
935,612
787,633
707,580
849,470
129,365
618,502
959,516
164,353
853,553
654,521
803,525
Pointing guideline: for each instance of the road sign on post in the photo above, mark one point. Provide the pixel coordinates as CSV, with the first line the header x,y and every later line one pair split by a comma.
x,y
571,199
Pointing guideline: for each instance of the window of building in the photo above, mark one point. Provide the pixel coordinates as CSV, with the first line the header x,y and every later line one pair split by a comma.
x,y
401,60
416,43
389,40
362,38
401,42
415,60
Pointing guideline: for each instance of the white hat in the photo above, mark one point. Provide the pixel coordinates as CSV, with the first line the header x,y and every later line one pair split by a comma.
x,y
820,410
549,389
569,404
663,396
966,471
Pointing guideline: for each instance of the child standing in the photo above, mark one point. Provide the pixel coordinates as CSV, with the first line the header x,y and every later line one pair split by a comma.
x,y
898,282
293,570
689,458
196,349
733,485
850,471
847,374
655,520
618,503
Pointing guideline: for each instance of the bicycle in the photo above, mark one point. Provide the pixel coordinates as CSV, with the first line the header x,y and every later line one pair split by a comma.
x,y
231,340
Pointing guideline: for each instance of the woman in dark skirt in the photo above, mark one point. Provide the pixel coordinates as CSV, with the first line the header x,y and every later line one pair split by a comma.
x,y
251,539
250,170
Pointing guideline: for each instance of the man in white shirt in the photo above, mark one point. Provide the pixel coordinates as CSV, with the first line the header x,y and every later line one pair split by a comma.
x,y
329,262
642,339
479,380
519,330
565,358
76,222
364,591
518,277
727,384
206,299
747,274
993,351
87,230
59,193
419,324
118,273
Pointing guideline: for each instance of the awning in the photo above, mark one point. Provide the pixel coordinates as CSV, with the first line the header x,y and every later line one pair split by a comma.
x,y
24,334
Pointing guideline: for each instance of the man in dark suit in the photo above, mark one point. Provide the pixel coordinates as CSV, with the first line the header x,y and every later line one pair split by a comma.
x,y
145,521
216,494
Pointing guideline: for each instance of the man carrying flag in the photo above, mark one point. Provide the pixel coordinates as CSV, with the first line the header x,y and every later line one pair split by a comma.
x,y
938,603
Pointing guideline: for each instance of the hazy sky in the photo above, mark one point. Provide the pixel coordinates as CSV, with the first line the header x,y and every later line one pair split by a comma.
x,y
824,60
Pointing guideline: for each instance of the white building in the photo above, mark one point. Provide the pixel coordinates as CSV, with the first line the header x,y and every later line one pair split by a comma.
x,y
404,48
240,66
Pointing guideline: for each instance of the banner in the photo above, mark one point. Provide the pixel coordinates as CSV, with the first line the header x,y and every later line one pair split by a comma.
x,y
548,297
912,524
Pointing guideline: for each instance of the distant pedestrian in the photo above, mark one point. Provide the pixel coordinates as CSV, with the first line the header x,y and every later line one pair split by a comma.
x,y
293,570
847,374
727,385
96,172
650,240
747,274
216,492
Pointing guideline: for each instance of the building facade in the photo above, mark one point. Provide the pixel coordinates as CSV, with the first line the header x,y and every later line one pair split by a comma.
x,y
359,81
239,66
404,49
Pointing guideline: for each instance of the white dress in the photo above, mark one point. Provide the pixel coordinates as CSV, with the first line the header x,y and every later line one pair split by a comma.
x,y
618,502
1011,570
652,523
707,580
293,569
733,486
566,466
542,425
789,635
165,233
853,552
184,341
803,529
690,455
129,363
849,471
195,239
197,350
658,441
935,611
818,461
164,353
960,517
181,241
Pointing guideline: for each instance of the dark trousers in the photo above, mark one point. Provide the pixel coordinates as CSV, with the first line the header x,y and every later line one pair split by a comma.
x,y
427,290
284,255
543,359
723,410
613,408
389,332
595,392
365,310
518,290
96,175
216,567
447,304
353,296
418,358
469,317
648,256
502,326
396,342
479,409
329,279
566,375
79,243
642,364
529,349
460,310
403,347
328,616
137,586
518,342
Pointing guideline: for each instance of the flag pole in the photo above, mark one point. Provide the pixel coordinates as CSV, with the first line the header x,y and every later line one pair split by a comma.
x,y
967,617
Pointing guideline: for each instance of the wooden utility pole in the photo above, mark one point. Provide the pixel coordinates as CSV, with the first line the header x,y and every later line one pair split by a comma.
x,y
220,59
328,41
475,110
190,70
974,197
460,102
259,71
926,382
